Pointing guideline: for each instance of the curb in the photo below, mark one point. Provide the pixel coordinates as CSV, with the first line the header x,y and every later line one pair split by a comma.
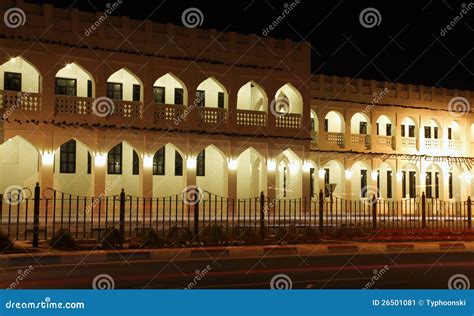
x,y
101,256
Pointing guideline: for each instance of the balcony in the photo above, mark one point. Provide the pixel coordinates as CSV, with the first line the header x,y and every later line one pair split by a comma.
x,y
169,115
334,138
454,144
314,138
23,101
127,109
251,118
432,143
409,142
73,105
361,140
386,141
289,120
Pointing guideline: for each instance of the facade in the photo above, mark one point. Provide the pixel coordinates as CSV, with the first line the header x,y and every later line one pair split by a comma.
x,y
156,108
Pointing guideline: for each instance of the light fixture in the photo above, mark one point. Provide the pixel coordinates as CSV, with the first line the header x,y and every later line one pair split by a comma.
x,y
100,160
348,174
13,59
468,177
294,166
307,166
191,162
271,165
68,65
322,173
47,158
147,161
375,173
399,175
232,164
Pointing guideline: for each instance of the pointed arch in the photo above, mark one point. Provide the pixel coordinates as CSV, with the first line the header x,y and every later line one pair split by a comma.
x,y
212,93
124,85
169,89
252,97
295,100
251,173
74,80
21,75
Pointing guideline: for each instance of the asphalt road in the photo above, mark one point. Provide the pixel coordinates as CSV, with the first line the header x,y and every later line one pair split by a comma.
x,y
347,271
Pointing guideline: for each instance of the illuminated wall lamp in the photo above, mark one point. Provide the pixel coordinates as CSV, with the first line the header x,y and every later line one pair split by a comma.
x,y
322,173
147,161
307,166
191,163
232,164
348,174
100,160
47,158
271,165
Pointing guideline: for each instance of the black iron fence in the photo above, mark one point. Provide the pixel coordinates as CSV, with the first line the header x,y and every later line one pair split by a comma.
x,y
41,214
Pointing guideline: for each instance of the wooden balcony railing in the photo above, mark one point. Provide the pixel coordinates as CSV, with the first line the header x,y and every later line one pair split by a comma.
x,y
361,139
289,120
73,105
386,141
334,138
23,101
409,142
251,118
454,144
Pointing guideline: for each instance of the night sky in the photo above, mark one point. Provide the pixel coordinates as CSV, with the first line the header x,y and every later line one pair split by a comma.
x,y
406,46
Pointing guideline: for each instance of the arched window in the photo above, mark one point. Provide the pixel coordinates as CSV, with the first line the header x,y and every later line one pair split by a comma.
x,y
114,160
201,164
159,162
135,164
178,164
67,157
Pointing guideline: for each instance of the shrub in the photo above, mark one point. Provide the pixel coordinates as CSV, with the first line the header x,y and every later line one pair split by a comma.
x,y
249,235
286,235
179,235
111,238
62,239
213,234
311,234
5,243
345,232
151,238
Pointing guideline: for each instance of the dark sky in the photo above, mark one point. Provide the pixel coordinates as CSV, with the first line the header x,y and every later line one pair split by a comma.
x,y
406,46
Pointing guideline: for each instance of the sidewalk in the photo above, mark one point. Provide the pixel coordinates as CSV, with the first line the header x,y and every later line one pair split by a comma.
x,y
323,249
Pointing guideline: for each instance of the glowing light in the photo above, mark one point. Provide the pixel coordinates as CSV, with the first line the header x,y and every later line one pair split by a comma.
x,y
399,175
375,173
68,66
100,159
271,165
307,166
13,59
232,164
322,173
147,161
348,174
294,166
191,162
47,158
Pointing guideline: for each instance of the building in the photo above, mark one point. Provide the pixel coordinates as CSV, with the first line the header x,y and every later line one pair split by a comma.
x,y
93,103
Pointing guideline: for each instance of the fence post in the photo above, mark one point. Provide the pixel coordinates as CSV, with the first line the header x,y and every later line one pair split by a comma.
x,y
122,215
374,211
262,215
321,205
36,215
469,213
195,203
423,210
